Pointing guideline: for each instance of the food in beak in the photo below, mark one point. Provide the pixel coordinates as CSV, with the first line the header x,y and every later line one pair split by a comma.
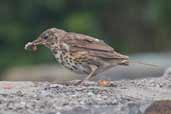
x,y
31,46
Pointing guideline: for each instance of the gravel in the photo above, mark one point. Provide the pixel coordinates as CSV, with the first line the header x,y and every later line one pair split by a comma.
x,y
120,97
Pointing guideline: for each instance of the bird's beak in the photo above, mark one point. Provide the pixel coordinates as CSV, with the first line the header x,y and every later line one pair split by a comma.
x,y
38,41
33,45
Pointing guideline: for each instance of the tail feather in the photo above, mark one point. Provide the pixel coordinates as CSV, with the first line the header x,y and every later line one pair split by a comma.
x,y
147,64
125,62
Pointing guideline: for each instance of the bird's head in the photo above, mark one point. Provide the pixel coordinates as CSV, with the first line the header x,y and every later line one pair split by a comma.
x,y
47,38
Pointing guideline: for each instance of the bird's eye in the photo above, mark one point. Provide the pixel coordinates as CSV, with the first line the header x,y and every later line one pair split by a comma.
x,y
46,36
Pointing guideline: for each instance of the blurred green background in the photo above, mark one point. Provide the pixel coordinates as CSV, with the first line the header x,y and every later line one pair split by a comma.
x,y
130,26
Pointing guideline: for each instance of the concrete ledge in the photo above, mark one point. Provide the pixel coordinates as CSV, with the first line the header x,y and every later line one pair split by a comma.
x,y
120,97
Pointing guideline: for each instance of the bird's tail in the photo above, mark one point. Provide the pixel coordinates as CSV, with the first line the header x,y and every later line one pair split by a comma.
x,y
126,62
147,64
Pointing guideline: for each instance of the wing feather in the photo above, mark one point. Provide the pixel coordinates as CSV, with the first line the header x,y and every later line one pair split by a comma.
x,y
94,47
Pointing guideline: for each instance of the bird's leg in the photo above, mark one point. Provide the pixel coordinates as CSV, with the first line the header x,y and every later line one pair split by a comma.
x,y
92,74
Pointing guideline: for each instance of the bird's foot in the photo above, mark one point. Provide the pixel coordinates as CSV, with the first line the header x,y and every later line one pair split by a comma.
x,y
80,83
72,83
101,83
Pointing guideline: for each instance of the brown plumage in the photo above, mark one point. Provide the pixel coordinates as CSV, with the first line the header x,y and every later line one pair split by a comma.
x,y
79,53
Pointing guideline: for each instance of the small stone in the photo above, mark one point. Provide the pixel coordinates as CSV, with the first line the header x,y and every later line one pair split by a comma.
x,y
19,93
23,103
159,107
55,85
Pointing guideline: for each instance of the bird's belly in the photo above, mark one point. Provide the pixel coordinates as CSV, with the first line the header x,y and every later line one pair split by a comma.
x,y
75,67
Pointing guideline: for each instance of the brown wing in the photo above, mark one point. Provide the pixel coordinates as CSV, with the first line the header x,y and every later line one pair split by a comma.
x,y
93,46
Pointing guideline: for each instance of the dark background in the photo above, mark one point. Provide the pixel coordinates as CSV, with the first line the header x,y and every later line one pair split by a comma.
x,y
130,26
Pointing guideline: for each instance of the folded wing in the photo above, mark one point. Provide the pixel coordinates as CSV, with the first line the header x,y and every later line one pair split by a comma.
x,y
94,47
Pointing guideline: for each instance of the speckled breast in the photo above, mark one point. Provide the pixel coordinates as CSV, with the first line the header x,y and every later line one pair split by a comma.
x,y
69,62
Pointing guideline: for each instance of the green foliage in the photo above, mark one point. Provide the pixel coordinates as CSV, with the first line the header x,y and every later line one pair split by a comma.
x,y
160,12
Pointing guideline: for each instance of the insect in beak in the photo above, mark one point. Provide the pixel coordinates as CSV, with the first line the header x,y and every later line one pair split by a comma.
x,y
33,45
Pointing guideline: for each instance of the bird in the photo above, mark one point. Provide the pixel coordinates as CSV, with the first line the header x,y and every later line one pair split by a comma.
x,y
79,53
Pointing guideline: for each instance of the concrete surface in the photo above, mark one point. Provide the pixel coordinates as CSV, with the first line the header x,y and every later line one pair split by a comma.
x,y
119,97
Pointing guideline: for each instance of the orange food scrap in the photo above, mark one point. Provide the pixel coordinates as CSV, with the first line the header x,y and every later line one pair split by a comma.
x,y
104,83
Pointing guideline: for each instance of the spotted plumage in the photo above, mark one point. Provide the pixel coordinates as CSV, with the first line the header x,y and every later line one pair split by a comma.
x,y
79,53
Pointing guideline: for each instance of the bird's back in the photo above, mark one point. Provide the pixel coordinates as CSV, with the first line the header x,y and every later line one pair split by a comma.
x,y
94,47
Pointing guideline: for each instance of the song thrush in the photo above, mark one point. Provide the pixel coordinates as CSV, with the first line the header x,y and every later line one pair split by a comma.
x,y
79,53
